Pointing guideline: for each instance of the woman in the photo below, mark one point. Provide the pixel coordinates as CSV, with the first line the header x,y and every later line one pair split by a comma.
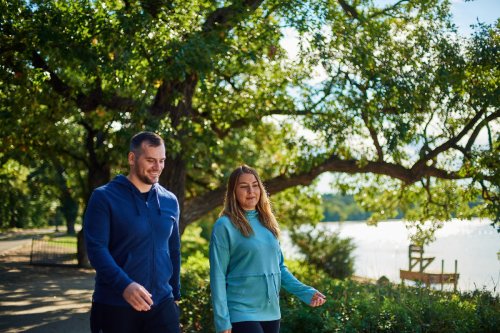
x,y
246,263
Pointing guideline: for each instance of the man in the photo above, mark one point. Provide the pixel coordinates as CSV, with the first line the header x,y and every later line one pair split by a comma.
x,y
131,229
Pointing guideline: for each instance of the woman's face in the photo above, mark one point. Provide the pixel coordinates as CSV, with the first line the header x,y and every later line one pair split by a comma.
x,y
247,191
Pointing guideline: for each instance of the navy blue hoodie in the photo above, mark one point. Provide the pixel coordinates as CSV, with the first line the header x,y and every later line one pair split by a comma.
x,y
130,239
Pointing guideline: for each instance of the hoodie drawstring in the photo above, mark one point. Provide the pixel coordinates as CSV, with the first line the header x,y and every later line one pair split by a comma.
x,y
275,286
158,201
267,288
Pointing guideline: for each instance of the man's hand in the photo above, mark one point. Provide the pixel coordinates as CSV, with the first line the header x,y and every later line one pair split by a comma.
x,y
318,299
137,296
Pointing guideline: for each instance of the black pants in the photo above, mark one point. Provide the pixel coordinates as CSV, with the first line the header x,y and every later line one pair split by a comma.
x,y
256,327
162,318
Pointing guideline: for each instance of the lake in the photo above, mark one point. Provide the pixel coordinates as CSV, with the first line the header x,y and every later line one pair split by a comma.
x,y
383,250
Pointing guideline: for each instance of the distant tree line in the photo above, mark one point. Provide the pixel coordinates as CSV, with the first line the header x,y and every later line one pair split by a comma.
x,y
338,207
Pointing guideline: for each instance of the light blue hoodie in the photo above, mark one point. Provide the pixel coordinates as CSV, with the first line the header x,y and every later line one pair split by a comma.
x,y
246,274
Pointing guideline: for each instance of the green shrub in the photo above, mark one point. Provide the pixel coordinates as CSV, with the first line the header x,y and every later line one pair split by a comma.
x,y
325,250
193,242
350,306
356,307
196,309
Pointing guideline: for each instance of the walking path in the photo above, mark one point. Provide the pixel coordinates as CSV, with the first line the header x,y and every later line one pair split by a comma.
x,y
9,245
12,240
41,299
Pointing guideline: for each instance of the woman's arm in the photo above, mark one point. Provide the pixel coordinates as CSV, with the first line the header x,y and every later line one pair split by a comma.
x,y
219,261
305,293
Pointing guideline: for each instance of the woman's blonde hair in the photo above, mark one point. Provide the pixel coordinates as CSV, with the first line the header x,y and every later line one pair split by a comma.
x,y
236,213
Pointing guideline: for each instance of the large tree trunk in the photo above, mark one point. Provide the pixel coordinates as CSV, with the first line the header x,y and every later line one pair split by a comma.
x,y
83,259
173,178
69,206
98,175
69,210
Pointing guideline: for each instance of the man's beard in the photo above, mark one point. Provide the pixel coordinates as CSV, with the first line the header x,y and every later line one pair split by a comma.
x,y
146,180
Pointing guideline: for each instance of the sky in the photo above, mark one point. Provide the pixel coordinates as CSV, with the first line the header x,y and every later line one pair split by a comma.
x,y
467,13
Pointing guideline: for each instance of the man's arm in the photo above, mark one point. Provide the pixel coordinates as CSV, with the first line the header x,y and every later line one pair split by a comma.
x,y
174,244
96,227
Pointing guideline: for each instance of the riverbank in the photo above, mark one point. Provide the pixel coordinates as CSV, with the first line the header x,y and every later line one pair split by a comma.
x,y
382,250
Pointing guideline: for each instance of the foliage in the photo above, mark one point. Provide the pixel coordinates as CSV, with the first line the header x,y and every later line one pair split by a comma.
x,y
355,307
193,242
296,206
325,250
196,307
404,93
352,306
391,91
26,196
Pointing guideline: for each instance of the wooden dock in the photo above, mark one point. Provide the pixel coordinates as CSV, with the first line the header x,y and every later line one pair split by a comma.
x,y
429,278
416,259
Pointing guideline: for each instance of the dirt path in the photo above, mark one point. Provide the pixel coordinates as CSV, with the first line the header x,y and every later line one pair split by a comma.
x,y
42,299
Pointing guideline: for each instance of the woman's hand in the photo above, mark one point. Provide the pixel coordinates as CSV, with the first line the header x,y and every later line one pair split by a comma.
x,y
226,331
318,299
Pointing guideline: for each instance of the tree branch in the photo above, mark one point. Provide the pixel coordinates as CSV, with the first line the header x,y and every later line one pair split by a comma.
x,y
418,167
479,127
350,10
88,102
225,18
387,9
197,207
373,135
168,93
57,84
153,7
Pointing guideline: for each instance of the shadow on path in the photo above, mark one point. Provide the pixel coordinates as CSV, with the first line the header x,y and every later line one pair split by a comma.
x,y
43,299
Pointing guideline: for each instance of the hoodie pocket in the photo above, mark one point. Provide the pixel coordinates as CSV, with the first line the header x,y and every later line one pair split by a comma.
x,y
164,268
252,293
136,266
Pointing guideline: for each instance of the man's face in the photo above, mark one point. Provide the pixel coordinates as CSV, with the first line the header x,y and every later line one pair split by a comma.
x,y
148,163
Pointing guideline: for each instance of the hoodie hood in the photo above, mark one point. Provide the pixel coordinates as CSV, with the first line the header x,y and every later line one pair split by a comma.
x,y
136,195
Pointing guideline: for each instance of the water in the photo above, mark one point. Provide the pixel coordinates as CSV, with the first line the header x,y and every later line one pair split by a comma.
x,y
383,250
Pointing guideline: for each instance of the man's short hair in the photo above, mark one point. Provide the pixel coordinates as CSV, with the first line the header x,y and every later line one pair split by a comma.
x,y
151,138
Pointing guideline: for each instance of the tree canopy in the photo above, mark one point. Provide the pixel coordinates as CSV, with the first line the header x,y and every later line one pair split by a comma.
x,y
391,96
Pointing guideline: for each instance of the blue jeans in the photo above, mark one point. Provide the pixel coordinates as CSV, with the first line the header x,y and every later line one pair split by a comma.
x,y
162,318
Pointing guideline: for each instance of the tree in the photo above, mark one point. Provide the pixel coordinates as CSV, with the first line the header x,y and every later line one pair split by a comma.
x,y
326,250
214,81
416,97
